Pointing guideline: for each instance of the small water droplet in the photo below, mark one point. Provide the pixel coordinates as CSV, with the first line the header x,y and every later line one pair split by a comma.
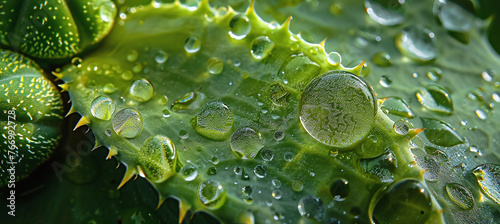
x,y
107,11
246,142
311,207
127,75
260,171
460,195
297,185
102,107
132,56
211,194
401,127
189,172
161,57
435,74
211,171
237,170
166,113
417,42
246,190
340,189
239,27
109,88
77,62
276,194
183,134
267,155
385,81
334,58
496,97
382,59
127,123
288,156
192,44
387,13
276,183
215,65
279,135
141,90
481,114
261,47
440,133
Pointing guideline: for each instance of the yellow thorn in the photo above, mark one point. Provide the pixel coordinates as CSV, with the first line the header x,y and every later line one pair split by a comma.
x,y
381,101
246,218
128,175
57,75
83,121
322,43
71,110
357,70
183,208
286,24
414,132
161,200
251,9
64,87
96,145
113,151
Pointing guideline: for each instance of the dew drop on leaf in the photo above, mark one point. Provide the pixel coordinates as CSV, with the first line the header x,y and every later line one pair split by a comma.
x,y
239,27
260,171
385,81
107,11
246,142
288,156
246,190
297,185
102,107
127,123
298,69
278,94
440,133
215,65
454,17
397,106
278,135
214,121
141,90
382,59
192,44
161,57
160,155
276,194
261,47
435,98
340,189
334,58
267,155
401,127
77,62
337,109
488,177
417,42
189,172
311,207
460,195
385,12
211,194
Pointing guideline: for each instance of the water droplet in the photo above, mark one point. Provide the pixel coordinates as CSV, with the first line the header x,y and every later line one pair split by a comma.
x,y
401,127
237,170
382,59
261,47
215,160
460,195
127,75
398,107
278,94
132,56
246,190
297,185
340,189
127,123
496,97
436,98
107,11
389,208
102,107
334,58
185,101
266,154
215,65
109,88
481,114
382,166
141,90
454,17
387,13
276,183
338,109
77,62
279,135
166,113
417,42
288,156
212,171
162,154
435,74
311,207
276,194
260,171
239,27
214,121
211,194
161,57
189,172
298,70
183,134
385,81
192,44
488,177
440,133
246,142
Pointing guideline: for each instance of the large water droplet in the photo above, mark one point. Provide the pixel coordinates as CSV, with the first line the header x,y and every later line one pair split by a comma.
x,y
334,58
388,12
460,195
406,201
215,65
488,177
192,44
246,142
239,27
340,189
261,47
338,109
141,90
161,156
436,98
102,107
107,11
440,133
417,42
214,121
211,194
127,123
398,107
311,207
454,17
189,172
